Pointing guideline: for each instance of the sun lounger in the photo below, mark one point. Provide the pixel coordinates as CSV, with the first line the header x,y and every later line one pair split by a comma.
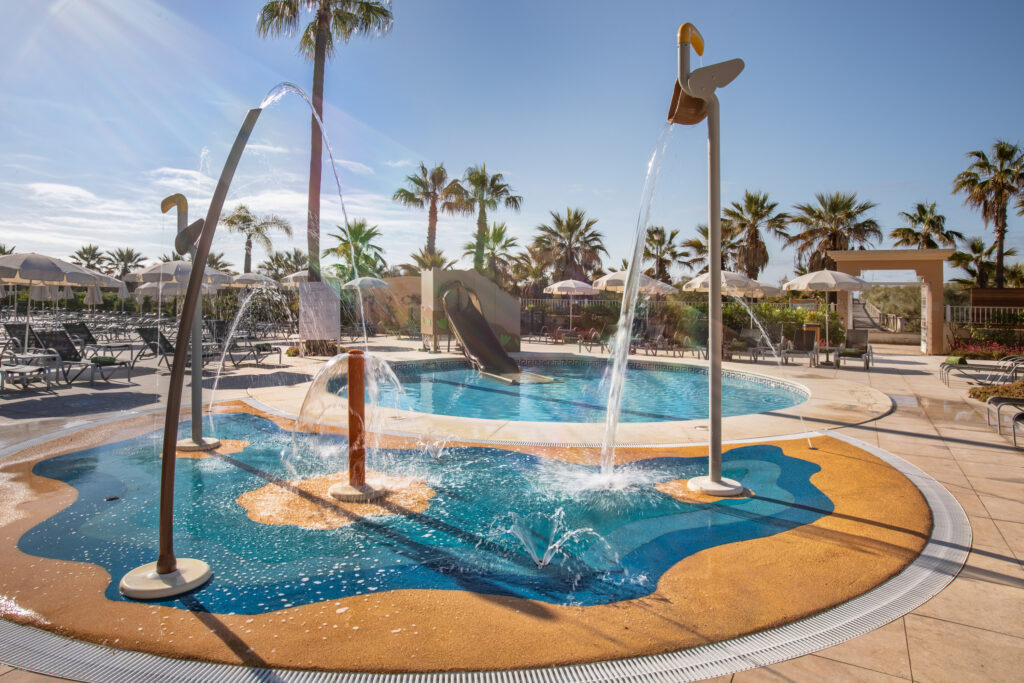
x,y
70,363
80,332
157,344
996,404
24,374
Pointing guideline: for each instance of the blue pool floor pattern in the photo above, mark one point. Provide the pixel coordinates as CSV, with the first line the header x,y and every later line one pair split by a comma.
x,y
460,542
580,394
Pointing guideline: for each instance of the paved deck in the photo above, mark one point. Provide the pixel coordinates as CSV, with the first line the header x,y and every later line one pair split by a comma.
x,y
973,630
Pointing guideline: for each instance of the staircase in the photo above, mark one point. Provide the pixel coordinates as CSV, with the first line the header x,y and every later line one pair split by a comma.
x,y
862,320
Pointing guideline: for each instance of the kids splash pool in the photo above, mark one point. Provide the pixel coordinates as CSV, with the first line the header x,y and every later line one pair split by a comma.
x,y
654,392
498,563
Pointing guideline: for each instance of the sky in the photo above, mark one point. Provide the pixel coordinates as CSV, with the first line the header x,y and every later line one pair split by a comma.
x,y
108,106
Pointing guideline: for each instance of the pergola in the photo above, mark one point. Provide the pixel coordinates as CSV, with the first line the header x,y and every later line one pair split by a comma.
x,y
927,263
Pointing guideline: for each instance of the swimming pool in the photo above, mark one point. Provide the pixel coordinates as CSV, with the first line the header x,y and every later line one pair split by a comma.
x,y
654,392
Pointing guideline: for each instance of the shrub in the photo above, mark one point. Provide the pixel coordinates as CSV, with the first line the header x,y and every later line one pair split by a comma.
x,y
1011,390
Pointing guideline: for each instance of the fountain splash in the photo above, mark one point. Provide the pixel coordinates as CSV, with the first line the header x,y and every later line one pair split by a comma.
x,y
775,354
620,346
544,536
326,404
274,96
256,296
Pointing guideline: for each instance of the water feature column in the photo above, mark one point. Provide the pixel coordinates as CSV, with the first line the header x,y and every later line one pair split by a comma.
x,y
356,490
184,243
693,89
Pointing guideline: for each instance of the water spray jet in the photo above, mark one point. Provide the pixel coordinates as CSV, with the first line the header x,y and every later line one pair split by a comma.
x,y
356,490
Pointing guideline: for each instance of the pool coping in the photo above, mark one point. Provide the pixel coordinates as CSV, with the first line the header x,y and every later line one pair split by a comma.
x,y
832,403
938,563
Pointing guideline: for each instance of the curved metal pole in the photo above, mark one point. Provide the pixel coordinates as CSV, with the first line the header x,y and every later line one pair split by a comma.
x,y
166,562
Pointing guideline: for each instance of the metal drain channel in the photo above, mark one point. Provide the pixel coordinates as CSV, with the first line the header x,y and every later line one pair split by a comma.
x,y
939,562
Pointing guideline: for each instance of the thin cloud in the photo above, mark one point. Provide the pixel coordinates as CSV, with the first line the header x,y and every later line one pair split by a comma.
x,y
354,166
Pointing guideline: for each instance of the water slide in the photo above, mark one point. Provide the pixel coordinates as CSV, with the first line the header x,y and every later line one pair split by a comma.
x,y
478,341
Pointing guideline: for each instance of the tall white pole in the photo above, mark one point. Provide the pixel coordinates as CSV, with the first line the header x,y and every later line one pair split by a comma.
x,y
701,85
714,295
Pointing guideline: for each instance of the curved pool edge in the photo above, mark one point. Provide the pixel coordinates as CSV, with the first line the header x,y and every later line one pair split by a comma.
x,y
938,563
832,404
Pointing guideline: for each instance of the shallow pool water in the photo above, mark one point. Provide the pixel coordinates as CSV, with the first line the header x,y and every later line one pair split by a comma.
x,y
653,393
496,514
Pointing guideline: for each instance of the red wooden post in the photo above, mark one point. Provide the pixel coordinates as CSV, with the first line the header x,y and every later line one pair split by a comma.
x,y
356,419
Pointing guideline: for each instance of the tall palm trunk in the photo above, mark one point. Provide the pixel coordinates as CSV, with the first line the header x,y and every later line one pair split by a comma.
x,y
316,145
481,237
432,226
247,268
1000,236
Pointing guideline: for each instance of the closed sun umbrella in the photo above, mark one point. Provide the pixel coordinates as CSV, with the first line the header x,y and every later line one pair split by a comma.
x,y
93,297
572,289
826,281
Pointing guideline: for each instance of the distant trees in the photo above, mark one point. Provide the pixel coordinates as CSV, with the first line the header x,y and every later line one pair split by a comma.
x,y
662,252
497,251
570,244
282,263
89,256
990,183
358,250
256,229
925,229
119,262
484,192
747,221
432,189
836,222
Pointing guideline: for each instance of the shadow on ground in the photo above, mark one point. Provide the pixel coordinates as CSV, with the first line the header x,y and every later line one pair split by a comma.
x,y
245,381
68,405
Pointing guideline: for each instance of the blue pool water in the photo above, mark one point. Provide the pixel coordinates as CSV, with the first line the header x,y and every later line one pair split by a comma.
x,y
652,394
612,545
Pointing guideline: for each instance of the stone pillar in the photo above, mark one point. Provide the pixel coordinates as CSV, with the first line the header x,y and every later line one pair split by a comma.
x,y
932,300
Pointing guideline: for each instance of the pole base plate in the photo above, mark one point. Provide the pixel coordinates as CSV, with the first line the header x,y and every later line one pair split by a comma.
x,y
144,583
357,494
724,488
207,444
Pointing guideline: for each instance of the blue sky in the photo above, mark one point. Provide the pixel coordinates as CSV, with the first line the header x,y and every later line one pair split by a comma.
x,y
110,105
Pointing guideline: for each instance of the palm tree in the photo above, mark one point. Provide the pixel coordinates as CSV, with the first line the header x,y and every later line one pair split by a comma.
x,y
976,262
425,260
120,262
571,245
215,260
88,256
696,248
360,256
747,219
256,229
925,229
433,190
836,222
497,252
483,193
529,270
1015,275
661,249
332,20
5,250
990,184
281,263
